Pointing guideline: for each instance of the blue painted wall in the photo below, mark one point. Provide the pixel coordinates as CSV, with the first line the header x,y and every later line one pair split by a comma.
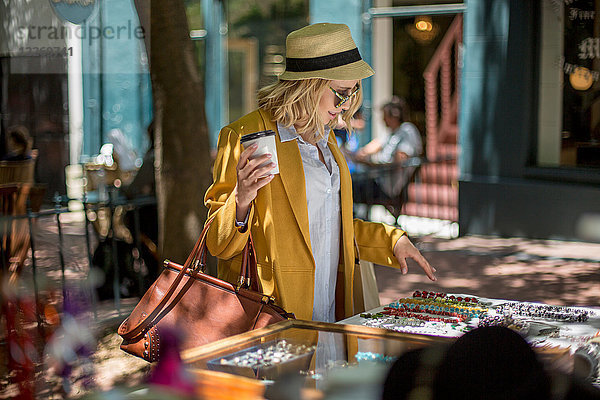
x,y
340,12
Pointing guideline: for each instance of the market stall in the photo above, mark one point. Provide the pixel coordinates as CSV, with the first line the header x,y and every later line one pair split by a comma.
x,y
565,330
323,354
316,351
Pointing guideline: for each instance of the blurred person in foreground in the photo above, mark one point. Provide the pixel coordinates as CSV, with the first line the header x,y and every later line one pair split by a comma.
x,y
387,156
488,363
18,144
301,219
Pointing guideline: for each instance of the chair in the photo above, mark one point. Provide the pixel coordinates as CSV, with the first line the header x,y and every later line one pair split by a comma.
x,y
18,171
8,197
16,187
16,242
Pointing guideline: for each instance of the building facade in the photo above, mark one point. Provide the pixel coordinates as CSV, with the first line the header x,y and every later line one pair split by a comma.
x,y
529,161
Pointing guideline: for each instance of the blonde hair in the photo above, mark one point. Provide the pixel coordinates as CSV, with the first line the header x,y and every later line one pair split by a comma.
x,y
296,101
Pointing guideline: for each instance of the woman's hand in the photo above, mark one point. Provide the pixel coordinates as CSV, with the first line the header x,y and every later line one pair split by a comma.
x,y
251,176
403,249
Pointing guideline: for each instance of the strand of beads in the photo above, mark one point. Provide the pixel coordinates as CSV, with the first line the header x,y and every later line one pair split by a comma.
x,y
380,320
439,296
422,316
439,308
559,313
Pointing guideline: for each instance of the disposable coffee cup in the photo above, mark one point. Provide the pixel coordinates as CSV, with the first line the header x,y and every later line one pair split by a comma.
x,y
266,145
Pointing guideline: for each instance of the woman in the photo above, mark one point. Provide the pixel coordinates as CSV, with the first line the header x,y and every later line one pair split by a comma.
x,y
301,219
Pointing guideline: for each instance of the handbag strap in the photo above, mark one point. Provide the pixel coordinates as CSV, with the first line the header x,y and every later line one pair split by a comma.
x,y
248,277
197,259
146,321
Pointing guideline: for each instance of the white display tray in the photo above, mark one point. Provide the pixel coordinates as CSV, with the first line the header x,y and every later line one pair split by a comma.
x,y
539,331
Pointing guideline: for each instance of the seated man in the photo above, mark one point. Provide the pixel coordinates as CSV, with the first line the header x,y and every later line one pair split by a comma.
x,y
403,143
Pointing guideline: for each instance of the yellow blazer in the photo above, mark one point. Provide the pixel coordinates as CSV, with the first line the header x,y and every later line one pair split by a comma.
x,y
279,224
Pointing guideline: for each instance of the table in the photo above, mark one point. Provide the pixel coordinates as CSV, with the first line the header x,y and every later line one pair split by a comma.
x,y
327,350
537,330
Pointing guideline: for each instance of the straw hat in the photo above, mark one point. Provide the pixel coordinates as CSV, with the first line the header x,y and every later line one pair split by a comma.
x,y
324,51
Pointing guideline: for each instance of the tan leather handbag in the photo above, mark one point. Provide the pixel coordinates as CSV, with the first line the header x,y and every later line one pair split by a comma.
x,y
201,307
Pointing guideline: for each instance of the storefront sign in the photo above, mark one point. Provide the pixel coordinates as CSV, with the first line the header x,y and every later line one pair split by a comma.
x,y
578,14
589,48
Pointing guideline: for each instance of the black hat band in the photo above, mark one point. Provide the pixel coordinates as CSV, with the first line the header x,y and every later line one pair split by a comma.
x,y
323,62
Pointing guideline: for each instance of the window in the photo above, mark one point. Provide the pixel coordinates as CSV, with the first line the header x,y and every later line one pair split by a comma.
x,y
569,116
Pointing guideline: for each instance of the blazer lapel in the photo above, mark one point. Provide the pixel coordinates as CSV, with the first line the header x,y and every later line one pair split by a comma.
x,y
345,180
347,249
291,173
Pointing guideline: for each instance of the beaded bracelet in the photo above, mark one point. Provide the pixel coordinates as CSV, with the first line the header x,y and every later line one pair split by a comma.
x,y
451,299
437,302
392,320
447,312
431,307
470,307
402,313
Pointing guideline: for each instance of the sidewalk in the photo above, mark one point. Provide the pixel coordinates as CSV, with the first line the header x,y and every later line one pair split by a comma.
x,y
553,272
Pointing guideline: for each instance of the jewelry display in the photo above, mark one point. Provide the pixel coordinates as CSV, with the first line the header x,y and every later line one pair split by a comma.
x,y
438,306
281,351
558,313
504,320
451,315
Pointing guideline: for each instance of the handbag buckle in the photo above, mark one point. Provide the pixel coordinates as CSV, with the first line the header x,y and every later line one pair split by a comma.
x,y
202,266
267,299
240,283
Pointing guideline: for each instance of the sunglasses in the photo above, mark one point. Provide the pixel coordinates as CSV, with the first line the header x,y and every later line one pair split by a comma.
x,y
342,98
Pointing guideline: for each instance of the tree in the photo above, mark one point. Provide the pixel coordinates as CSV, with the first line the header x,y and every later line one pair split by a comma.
x,y
182,147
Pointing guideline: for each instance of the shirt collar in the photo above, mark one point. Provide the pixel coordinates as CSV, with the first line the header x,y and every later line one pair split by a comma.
x,y
287,133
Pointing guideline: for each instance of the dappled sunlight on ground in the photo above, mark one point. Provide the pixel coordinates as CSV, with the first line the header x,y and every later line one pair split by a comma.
x,y
554,272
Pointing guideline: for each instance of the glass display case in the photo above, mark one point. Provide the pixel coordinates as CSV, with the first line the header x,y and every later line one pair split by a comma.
x,y
318,359
311,349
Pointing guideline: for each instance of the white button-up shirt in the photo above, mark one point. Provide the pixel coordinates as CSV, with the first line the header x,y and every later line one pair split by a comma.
x,y
324,218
